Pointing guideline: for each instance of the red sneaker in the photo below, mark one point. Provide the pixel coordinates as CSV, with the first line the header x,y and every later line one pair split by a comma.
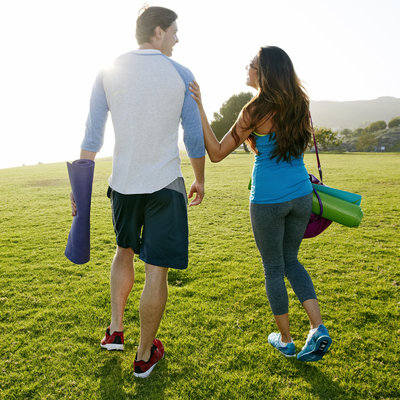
x,y
142,368
114,341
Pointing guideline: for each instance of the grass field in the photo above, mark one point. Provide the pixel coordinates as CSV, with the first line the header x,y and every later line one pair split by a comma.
x,y
53,313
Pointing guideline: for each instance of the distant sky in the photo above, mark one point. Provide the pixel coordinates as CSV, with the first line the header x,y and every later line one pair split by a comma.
x,y
51,51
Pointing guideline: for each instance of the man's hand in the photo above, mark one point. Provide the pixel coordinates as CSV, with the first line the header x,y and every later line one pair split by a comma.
x,y
73,204
197,188
85,155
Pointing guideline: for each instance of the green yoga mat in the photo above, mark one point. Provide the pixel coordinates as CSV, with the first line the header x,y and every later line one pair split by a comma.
x,y
337,210
341,194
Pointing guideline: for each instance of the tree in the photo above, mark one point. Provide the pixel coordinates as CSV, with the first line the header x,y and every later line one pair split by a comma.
x,y
346,132
367,141
229,113
394,122
326,138
376,126
358,132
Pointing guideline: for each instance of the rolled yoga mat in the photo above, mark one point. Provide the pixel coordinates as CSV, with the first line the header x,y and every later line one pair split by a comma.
x,y
341,194
81,178
337,209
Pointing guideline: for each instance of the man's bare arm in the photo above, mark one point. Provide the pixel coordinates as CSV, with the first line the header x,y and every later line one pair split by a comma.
x,y
88,155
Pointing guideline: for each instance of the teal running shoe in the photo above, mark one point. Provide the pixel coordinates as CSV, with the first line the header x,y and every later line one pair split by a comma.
x,y
287,349
317,344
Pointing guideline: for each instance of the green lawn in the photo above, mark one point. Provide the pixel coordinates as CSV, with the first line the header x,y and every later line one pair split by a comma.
x,y
215,328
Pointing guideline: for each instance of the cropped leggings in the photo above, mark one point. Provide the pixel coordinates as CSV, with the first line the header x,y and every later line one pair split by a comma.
x,y
278,231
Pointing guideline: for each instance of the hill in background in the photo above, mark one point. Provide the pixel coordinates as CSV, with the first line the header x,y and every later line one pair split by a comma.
x,y
339,115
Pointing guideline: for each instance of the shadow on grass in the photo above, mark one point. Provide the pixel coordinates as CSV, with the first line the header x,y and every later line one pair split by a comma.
x,y
322,385
111,385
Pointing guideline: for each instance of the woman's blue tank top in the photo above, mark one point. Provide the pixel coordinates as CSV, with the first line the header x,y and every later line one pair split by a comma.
x,y
276,182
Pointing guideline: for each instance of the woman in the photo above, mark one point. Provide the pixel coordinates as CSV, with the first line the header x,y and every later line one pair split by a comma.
x,y
275,124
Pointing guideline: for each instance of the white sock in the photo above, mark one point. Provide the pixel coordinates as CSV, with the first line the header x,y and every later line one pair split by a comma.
x,y
312,331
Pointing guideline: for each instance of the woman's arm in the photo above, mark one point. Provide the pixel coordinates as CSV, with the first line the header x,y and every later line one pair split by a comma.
x,y
216,150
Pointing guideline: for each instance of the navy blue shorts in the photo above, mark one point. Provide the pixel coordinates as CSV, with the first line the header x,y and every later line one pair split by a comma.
x,y
154,225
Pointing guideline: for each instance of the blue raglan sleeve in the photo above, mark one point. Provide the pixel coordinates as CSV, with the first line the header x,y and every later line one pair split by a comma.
x,y
97,117
191,120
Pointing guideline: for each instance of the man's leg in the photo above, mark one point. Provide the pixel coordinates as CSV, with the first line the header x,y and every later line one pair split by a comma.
x,y
121,280
152,305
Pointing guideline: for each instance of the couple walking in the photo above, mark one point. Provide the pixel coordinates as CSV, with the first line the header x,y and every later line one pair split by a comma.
x,y
148,94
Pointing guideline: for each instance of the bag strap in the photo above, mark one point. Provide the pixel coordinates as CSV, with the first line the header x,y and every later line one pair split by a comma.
x,y
321,206
316,149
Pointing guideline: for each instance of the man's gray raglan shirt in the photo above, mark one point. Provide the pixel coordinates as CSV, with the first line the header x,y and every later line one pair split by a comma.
x,y
148,96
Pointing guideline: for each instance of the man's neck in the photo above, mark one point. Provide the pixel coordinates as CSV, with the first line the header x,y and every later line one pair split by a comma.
x,y
148,46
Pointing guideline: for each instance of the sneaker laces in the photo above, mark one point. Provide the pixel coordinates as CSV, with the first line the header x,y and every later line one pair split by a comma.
x,y
310,335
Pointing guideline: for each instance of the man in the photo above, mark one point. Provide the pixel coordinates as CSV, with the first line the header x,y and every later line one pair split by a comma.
x,y
147,96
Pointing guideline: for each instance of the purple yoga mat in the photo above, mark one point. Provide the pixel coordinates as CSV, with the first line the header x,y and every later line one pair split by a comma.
x,y
81,178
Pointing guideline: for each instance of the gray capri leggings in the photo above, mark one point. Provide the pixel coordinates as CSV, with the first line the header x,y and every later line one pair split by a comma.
x,y
278,230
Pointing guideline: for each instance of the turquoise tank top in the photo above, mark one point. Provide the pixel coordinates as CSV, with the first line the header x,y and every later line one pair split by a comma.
x,y
276,182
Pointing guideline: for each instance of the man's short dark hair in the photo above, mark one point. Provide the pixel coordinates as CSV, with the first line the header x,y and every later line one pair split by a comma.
x,y
149,19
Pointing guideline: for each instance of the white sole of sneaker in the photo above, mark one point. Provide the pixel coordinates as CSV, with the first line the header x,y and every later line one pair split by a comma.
x,y
148,372
145,374
112,346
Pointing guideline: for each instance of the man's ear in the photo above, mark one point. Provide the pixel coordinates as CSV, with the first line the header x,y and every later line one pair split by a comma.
x,y
158,32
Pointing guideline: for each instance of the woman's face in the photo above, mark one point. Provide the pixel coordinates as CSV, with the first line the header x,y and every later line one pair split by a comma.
x,y
252,73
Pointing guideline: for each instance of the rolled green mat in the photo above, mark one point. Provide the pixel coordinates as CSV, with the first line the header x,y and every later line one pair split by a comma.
x,y
341,194
337,210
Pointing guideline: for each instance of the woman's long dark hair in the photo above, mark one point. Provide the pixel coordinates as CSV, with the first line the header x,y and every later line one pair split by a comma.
x,y
282,98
